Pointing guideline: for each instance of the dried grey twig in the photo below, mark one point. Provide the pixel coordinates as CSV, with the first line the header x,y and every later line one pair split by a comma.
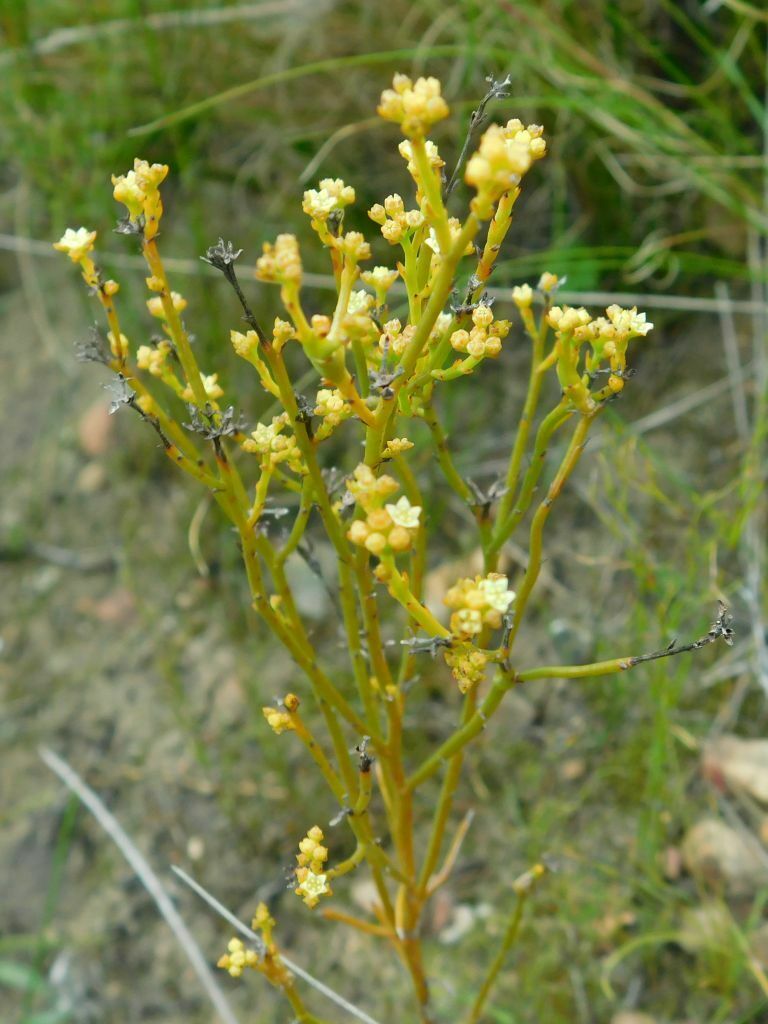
x,y
497,90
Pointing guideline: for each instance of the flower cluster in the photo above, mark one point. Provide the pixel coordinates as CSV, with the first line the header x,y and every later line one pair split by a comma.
x,y
332,408
210,385
357,323
274,446
387,527
280,263
267,961
415,106
395,338
454,230
310,874
433,158
76,243
504,156
156,307
139,192
332,195
478,602
396,446
154,358
608,338
354,246
395,221
467,665
281,719
381,280
485,337
237,958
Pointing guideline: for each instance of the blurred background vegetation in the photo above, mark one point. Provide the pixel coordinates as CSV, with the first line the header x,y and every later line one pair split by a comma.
x,y
126,642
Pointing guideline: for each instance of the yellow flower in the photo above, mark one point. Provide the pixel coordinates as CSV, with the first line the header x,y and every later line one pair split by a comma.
x,y
396,446
531,137
152,358
377,213
280,262
548,282
318,204
403,513
149,176
312,855
478,602
467,665
434,159
566,319
312,887
128,191
416,106
522,296
76,243
155,305
496,168
485,337
282,332
137,190
628,321
343,194
244,344
278,720
237,958
354,245
380,278
211,386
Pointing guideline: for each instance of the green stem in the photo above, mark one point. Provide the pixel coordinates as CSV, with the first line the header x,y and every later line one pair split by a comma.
x,y
399,589
299,523
504,527
472,725
567,466
510,937
451,474
445,800
175,326
596,668
524,425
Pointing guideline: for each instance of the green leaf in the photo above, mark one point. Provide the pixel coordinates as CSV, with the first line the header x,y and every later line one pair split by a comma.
x,y
21,977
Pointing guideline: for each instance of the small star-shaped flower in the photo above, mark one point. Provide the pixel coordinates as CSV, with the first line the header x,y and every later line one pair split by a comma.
x,y
403,513
314,885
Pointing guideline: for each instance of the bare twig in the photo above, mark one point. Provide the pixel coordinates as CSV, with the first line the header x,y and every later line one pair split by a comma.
x,y
720,629
497,90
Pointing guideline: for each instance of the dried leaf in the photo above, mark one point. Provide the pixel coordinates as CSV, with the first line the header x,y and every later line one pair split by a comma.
x,y
721,856
95,429
735,763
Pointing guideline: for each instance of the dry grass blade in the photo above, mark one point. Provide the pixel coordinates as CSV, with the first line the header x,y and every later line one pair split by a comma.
x,y
733,362
147,877
248,933
681,303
